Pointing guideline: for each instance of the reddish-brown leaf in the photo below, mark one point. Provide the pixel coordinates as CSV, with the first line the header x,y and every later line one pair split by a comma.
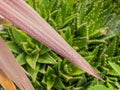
x,y
6,82
28,20
12,69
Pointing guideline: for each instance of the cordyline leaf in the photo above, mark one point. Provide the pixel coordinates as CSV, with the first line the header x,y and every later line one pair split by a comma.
x,y
4,20
6,82
12,69
22,15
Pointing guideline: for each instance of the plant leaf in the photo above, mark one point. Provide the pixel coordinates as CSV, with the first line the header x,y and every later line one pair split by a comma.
x,y
99,87
27,19
11,68
46,59
31,60
115,67
6,82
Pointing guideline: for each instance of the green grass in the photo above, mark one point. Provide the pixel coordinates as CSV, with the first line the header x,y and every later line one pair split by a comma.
x,y
91,27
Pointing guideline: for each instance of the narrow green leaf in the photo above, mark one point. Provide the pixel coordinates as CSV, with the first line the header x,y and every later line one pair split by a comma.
x,y
58,84
21,58
71,69
33,72
20,36
46,59
44,49
32,60
50,81
115,67
68,19
14,48
99,87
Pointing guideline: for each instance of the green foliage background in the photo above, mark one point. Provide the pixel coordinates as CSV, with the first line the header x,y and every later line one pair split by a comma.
x,y
91,27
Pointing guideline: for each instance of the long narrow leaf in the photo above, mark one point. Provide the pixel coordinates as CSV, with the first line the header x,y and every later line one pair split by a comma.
x,y
28,20
6,82
12,69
